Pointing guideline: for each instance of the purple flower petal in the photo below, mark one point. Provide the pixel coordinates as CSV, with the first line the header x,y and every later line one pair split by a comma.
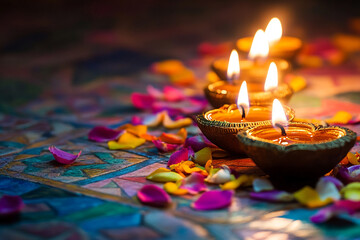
x,y
198,142
194,183
154,196
338,184
103,134
10,205
339,207
272,196
348,175
136,120
63,157
142,101
178,156
164,147
215,199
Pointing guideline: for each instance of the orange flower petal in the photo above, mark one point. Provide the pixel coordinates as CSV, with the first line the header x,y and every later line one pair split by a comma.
x,y
168,67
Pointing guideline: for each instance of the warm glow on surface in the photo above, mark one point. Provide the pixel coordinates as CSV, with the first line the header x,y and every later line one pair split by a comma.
x,y
271,81
259,46
243,98
273,31
233,71
278,114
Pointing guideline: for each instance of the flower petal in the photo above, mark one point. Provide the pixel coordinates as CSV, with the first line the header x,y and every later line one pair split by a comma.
x,y
262,184
174,189
348,175
353,159
126,141
352,191
178,138
243,180
142,101
198,142
137,130
165,147
215,199
183,78
173,94
194,183
169,123
221,176
154,120
339,185
164,177
154,92
10,205
154,196
63,157
201,157
103,134
136,120
327,190
178,156
339,207
167,67
272,196
340,117
310,198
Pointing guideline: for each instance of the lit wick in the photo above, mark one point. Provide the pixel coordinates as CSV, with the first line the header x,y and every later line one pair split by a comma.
x,y
233,71
243,100
278,116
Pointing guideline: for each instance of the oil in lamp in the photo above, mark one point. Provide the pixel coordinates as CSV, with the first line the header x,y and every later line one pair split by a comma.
x,y
295,150
284,47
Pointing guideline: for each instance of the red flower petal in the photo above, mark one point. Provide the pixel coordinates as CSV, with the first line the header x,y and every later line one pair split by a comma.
x,y
178,156
142,101
154,196
103,134
164,147
10,205
63,157
215,199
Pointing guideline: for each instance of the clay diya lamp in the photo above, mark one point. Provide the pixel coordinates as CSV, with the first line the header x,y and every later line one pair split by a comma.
x,y
295,150
283,47
225,92
221,125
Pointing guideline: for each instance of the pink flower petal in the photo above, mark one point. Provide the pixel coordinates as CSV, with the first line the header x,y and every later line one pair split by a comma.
x,y
194,183
154,196
198,142
339,207
103,134
63,157
142,101
10,205
178,156
215,199
136,120
173,94
164,147
272,196
154,92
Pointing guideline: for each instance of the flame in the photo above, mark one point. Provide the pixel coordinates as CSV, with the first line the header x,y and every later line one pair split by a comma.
x,y
273,31
243,98
278,114
259,46
233,71
271,81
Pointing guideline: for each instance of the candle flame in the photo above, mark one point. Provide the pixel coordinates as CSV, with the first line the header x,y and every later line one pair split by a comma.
x,y
273,31
271,81
233,71
243,98
259,46
278,114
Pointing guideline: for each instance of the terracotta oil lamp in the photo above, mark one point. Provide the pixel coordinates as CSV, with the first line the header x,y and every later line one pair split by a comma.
x,y
280,47
221,125
253,68
226,92
295,150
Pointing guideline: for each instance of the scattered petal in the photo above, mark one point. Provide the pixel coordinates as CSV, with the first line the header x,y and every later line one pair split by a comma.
x,y
203,156
339,207
154,120
10,205
154,196
352,191
63,157
137,130
194,183
164,176
340,117
262,184
221,176
310,198
164,147
178,156
272,196
242,181
174,189
178,138
169,123
215,199
173,94
154,92
183,78
142,101
198,142
351,174
327,190
353,158
339,185
167,67
136,120
103,134
126,141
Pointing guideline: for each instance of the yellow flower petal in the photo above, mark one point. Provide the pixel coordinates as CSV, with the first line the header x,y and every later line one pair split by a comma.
x,y
137,130
297,83
174,189
126,141
352,158
169,123
159,170
201,157
351,191
184,77
341,117
208,166
244,180
310,198
164,177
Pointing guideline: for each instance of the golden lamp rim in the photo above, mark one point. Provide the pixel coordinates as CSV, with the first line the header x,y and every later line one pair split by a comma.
x,y
296,40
